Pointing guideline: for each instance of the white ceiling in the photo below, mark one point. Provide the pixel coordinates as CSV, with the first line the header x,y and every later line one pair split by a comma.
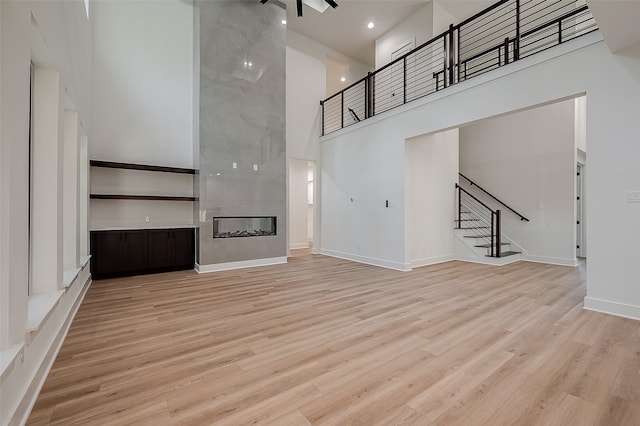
x,y
345,28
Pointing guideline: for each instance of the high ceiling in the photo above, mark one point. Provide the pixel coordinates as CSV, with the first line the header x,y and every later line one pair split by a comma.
x,y
345,28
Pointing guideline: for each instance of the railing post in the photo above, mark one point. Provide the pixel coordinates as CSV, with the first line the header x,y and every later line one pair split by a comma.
x,y
560,31
451,59
459,206
322,124
458,55
404,79
342,109
516,43
445,60
371,77
506,50
366,97
498,232
493,240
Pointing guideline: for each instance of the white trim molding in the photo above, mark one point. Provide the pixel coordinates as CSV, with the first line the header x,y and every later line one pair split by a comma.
x,y
216,267
551,260
398,266
297,246
426,261
65,311
612,308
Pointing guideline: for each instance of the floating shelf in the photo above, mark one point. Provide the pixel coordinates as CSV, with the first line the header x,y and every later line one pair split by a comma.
x,y
146,167
140,197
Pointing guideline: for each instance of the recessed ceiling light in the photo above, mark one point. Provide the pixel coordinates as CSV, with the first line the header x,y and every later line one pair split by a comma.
x,y
370,25
343,79
284,22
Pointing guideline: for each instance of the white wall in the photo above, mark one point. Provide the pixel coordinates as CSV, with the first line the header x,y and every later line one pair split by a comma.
x,y
29,339
581,123
431,172
335,71
370,155
305,89
143,85
298,172
143,82
319,52
416,29
442,19
360,171
527,160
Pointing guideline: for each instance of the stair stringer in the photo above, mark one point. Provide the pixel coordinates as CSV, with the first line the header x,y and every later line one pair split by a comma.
x,y
464,250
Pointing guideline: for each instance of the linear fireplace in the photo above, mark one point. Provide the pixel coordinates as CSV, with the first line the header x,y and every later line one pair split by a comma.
x,y
244,226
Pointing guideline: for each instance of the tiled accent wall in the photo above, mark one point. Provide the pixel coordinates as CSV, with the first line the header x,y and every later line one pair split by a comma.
x,y
241,137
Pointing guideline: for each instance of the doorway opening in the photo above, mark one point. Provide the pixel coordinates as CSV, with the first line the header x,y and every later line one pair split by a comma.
x,y
302,190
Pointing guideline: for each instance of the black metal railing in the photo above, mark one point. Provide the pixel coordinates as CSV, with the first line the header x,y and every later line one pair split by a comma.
x,y
480,222
505,32
472,183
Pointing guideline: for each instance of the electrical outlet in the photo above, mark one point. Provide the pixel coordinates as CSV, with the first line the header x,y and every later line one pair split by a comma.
x,y
146,219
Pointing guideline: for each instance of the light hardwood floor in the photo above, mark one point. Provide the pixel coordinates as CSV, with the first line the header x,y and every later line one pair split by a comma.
x,y
327,341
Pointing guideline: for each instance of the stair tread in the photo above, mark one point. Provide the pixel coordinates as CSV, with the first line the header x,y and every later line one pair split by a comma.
x,y
477,236
508,253
489,245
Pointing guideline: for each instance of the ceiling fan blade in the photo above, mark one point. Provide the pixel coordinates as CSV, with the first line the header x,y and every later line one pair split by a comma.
x,y
331,3
263,1
299,7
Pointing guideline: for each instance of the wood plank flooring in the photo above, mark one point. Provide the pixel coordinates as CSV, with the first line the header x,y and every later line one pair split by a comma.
x,y
331,342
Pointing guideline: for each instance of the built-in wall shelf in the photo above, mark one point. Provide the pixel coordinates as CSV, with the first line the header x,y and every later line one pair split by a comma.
x,y
102,193
147,167
140,197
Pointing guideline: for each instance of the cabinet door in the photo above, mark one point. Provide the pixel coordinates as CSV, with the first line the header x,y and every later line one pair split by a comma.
x,y
183,247
105,247
160,248
134,251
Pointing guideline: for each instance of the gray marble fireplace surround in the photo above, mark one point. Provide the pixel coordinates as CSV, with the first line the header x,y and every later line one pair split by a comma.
x,y
240,61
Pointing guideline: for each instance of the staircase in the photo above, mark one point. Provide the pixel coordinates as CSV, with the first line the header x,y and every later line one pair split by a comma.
x,y
478,227
475,234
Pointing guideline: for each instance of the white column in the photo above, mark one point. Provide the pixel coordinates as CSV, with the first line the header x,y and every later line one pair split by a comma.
x,y
70,194
46,184
83,198
14,158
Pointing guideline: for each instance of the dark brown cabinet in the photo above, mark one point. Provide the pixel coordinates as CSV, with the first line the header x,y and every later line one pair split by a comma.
x,y
134,252
171,248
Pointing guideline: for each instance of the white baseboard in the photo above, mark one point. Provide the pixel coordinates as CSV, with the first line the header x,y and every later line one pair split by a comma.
x,y
495,261
612,308
426,261
298,246
216,267
404,267
551,260
28,400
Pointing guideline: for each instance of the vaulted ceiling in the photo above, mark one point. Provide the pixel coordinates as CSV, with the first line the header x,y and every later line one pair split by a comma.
x,y
345,28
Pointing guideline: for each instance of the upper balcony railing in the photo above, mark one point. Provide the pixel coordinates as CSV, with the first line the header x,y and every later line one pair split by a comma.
x,y
503,33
